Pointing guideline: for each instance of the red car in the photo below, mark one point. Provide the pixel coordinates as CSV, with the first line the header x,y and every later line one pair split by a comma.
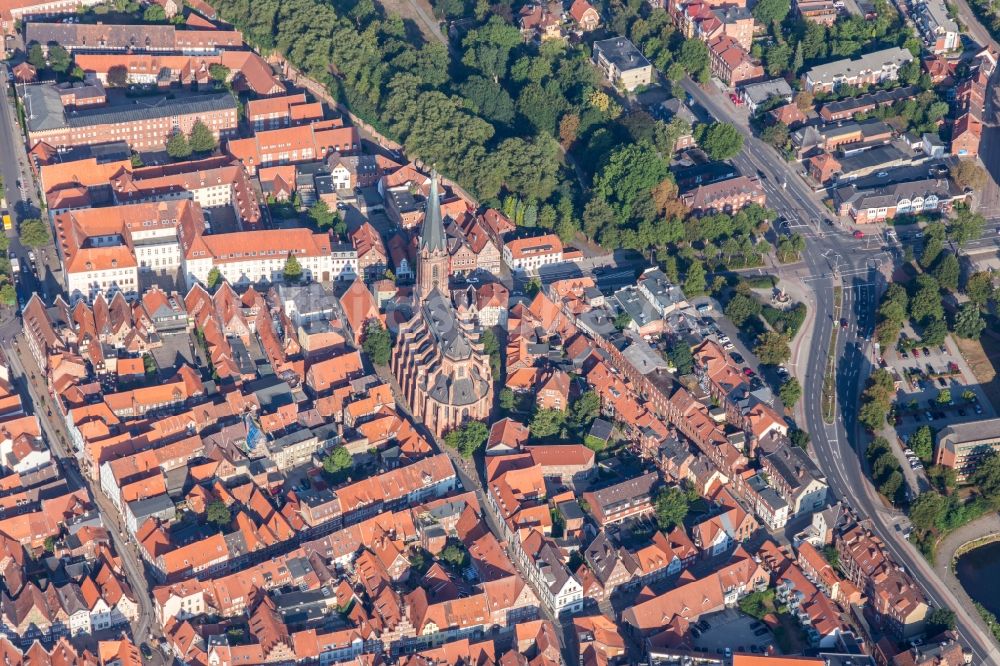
x,y
748,372
859,234
735,99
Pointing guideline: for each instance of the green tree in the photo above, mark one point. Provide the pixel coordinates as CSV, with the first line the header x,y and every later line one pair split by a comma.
x,y
488,48
36,56
986,476
322,216
979,288
926,301
149,364
467,438
547,423
118,74
377,343
201,140
940,620
934,236
799,437
455,555
966,226
585,409
218,514
34,233
947,271
8,294
770,12
631,172
934,332
891,486
695,281
922,443
776,135
293,269
969,323
968,174
693,56
622,320
59,58
154,14
680,357
790,392
772,348
50,544
214,278
218,72
337,461
671,508
876,399
508,401
720,140
927,511
178,146
741,307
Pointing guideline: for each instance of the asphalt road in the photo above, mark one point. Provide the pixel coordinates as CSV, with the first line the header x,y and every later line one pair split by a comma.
x,y
833,257
21,202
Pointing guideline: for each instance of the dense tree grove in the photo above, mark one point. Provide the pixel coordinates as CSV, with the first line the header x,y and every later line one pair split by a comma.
x,y
519,124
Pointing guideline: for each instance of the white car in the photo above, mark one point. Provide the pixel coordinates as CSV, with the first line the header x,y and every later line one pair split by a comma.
x,y
724,339
729,346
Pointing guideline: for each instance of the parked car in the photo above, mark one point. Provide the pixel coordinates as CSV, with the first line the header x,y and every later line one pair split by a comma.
x,y
942,381
843,323
728,346
916,352
928,415
927,352
943,349
748,372
859,234
903,354
724,339
979,410
737,357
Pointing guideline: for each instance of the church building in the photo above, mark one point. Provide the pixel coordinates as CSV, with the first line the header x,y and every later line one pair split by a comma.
x,y
438,359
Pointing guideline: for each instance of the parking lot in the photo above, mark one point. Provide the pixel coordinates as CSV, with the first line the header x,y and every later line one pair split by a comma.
x,y
927,372
731,629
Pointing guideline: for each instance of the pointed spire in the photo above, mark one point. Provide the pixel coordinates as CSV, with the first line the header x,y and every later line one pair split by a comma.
x,y
432,237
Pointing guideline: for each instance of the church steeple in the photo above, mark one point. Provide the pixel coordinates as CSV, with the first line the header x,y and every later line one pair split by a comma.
x,y
432,236
432,272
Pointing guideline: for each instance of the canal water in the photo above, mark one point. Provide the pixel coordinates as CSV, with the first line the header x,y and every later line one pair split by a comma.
x,y
979,572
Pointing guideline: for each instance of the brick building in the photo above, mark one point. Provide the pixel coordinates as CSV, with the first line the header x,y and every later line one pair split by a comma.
x,y
144,128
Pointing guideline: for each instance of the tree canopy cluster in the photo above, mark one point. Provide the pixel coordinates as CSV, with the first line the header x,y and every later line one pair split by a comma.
x,y
887,474
877,399
467,438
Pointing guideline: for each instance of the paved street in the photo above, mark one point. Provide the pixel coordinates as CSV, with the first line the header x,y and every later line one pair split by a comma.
x,y
833,257
21,201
